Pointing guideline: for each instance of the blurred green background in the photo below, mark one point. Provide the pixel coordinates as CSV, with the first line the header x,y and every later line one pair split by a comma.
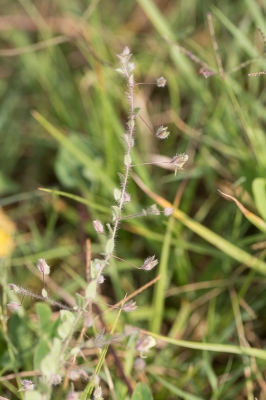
x,y
59,58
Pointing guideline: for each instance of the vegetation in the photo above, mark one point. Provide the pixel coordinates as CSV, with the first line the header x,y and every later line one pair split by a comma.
x,y
63,113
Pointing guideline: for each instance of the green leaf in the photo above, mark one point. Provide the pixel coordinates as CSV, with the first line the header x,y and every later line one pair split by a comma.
x,y
56,347
259,192
79,300
67,316
109,248
49,365
142,392
41,350
44,315
117,194
34,395
91,290
64,330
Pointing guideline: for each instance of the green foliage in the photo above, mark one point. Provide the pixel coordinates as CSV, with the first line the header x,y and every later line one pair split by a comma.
x,y
142,392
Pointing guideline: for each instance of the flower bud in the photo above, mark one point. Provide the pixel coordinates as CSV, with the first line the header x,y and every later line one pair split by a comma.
x,y
162,132
56,379
74,375
168,211
129,306
13,306
149,263
139,364
127,197
161,82
43,267
101,279
14,288
97,393
27,385
206,72
179,160
98,226
129,141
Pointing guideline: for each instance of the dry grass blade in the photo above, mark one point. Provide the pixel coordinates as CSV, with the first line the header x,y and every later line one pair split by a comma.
x,y
216,240
254,219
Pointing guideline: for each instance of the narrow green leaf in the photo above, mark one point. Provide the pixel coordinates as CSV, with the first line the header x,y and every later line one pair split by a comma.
x,y
79,199
254,219
217,347
89,388
174,389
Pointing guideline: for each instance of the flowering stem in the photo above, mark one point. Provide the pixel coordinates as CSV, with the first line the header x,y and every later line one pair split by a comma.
x,y
131,124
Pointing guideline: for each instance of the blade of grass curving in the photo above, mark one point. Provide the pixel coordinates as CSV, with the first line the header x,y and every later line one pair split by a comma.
x,y
217,347
56,252
254,219
89,388
174,389
216,240
82,157
242,339
158,298
257,13
89,203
